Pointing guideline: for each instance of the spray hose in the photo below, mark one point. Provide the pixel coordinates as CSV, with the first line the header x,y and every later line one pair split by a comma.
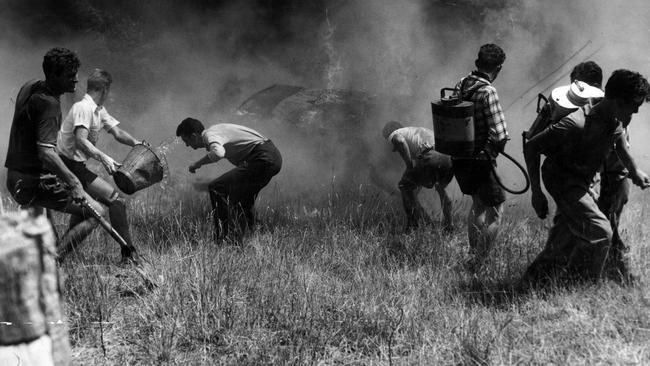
x,y
523,171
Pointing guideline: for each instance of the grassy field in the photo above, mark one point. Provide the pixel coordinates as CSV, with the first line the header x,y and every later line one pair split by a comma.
x,y
330,279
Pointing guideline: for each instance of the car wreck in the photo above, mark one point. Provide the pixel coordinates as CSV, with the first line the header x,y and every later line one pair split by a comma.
x,y
340,126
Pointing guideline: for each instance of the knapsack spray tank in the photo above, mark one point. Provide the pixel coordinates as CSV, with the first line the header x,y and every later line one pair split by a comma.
x,y
453,127
453,124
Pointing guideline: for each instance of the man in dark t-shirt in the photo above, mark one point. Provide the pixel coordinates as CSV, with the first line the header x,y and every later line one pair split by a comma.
x,y
36,175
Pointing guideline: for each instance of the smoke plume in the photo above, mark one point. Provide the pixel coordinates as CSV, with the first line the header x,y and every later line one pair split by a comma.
x,y
174,59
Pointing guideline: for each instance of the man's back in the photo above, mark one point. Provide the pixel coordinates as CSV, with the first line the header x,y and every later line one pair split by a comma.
x,y
418,139
36,120
578,144
238,141
489,120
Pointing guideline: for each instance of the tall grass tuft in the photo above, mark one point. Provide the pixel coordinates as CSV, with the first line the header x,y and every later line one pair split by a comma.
x,y
333,279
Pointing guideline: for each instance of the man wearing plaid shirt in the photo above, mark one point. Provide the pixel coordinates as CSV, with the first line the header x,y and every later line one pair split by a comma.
x,y
475,175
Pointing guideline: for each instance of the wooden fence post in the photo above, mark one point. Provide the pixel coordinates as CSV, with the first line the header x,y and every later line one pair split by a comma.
x,y
33,330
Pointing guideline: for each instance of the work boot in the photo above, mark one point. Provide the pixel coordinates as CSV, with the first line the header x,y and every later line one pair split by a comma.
x,y
129,256
474,263
618,271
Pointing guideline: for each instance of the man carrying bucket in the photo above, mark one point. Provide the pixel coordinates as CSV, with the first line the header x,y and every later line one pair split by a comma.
x,y
37,177
76,143
425,167
475,174
233,194
576,147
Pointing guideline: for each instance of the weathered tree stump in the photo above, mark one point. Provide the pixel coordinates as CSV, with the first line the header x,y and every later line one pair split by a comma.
x,y
32,326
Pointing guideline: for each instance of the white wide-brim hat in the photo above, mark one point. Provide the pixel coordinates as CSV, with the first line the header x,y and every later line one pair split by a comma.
x,y
575,95
569,98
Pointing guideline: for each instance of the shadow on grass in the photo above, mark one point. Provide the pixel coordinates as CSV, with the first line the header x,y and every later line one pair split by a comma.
x,y
501,294
497,294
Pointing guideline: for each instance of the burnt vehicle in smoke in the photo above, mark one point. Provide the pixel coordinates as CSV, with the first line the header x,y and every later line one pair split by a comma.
x,y
340,128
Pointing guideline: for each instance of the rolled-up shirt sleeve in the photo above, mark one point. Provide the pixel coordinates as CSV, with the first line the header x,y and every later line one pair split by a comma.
x,y
214,152
108,121
81,116
214,144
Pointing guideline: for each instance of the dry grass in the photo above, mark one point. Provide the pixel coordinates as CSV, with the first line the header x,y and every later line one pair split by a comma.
x,y
333,281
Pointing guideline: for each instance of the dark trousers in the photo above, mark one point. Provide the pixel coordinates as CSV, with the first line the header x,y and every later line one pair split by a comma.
x,y
431,168
233,194
579,240
614,192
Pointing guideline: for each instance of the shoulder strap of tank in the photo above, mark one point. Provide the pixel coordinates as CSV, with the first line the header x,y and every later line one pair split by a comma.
x,y
467,96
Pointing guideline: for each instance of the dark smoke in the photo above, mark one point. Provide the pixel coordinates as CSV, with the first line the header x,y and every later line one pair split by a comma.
x,y
173,59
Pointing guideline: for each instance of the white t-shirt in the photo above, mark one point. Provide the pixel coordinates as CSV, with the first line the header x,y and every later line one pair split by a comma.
x,y
237,140
84,113
418,139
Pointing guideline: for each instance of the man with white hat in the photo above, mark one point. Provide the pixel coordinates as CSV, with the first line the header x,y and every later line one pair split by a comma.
x,y
558,249
576,147
564,100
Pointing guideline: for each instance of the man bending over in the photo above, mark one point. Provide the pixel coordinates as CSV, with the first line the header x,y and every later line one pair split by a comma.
x,y
233,194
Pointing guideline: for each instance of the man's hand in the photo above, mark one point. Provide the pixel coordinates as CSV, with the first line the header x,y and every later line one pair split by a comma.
x,y
493,149
109,164
640,179
540,204
194,167
78,194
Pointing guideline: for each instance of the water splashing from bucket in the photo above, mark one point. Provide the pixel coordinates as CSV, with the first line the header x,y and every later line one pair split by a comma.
x,y
164,148
142,167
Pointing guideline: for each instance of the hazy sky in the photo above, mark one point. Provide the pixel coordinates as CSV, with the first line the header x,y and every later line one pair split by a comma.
x,y
173,59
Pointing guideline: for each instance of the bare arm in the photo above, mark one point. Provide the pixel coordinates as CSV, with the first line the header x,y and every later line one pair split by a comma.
x,y
52,162
545,141
123,136
638,176
216,153
533,162
538,199
87,147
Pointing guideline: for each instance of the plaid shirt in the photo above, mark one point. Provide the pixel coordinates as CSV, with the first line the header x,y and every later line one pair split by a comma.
x,y
489,120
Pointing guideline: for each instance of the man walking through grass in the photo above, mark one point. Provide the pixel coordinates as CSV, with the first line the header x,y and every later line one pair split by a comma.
x,y
424,168
576,147
76,143
37,177
475,174
586,79
614,185
233,194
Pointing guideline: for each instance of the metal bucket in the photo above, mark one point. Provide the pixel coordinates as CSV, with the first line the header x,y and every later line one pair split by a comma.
x,y
140,169
453,126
